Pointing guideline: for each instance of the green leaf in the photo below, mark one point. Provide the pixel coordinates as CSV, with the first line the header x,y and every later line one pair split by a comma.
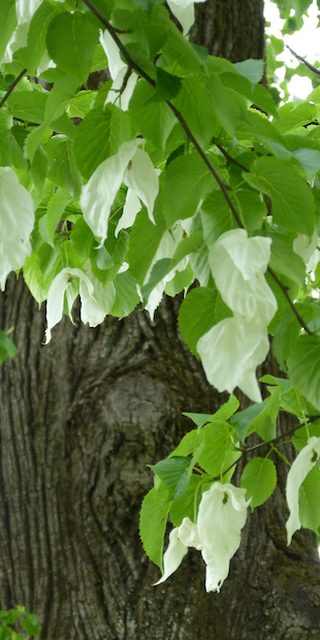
x,y
62,170
34,279
57,101
196,104
219,452
265,424
56,207
309,504
27,105
8,21
111,128
286,262
127,296
31,625
292,202
174,474
7,347
81,238
31,55
216,217
186,181
188,504
154,120
251,69
259,477
181,280
310,160
192,440
304,367
145,238
159,271
167,86
153,520
226,104
198,313
71,41
243,420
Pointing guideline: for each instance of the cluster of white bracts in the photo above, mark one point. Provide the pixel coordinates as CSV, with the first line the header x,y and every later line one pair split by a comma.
x,y
217,534
232,349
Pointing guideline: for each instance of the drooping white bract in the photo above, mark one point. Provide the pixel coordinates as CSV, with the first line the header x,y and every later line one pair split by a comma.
x,y
117,69
237,264
222,514
302,465
96,300
184,11
230,353
307,249
180,539
131,166
166,249
232,349
16,223
132,206
96,304
217,534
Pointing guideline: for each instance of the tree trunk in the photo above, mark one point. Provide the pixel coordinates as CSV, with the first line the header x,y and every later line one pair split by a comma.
x,y
80,420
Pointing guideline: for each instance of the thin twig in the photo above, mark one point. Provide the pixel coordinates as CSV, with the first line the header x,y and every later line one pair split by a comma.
x,y
297,314
230,159
314,69
12,86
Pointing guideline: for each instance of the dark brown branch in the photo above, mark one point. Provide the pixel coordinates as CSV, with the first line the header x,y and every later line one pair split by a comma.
x,y
284,290
12,86
314,69
230,159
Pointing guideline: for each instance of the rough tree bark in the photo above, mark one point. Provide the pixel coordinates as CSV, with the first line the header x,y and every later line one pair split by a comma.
x,y
80,420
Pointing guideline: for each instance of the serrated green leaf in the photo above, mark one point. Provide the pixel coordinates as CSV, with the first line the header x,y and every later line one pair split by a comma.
x,y
81,238
31,55
219,452
145,238
304,367
292,202
71,41
28,105
309,504
196,103
153,520
251,69
242,420
33,276
62,170
173,472
56,207
259,477
188,504
265,424
285,261
127,296
153,120
167,86
198,313
186,181
159,271
8,21
111,128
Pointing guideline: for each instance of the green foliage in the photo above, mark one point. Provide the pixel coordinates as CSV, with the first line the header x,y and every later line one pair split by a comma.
x,y
18,624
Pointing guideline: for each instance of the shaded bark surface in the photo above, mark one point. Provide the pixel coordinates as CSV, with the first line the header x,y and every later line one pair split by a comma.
x,y
80,419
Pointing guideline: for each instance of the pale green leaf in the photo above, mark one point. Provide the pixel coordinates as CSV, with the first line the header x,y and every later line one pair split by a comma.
x,y
304,367
153,520
259,477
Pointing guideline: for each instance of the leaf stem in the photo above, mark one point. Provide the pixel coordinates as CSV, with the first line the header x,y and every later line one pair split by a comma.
x,y
284,291
12,86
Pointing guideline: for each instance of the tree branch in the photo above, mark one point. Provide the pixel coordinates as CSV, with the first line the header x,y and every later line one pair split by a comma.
x,y
284,291
314,69
12,86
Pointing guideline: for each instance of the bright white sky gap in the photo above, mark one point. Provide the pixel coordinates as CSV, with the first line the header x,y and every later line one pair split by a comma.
x,y
305,42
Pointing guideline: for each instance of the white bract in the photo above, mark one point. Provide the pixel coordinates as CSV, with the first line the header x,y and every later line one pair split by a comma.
x,y
230,353
166,249
131,166
217,534
117,69
96,300
16,223
184,11
302,465
232,349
